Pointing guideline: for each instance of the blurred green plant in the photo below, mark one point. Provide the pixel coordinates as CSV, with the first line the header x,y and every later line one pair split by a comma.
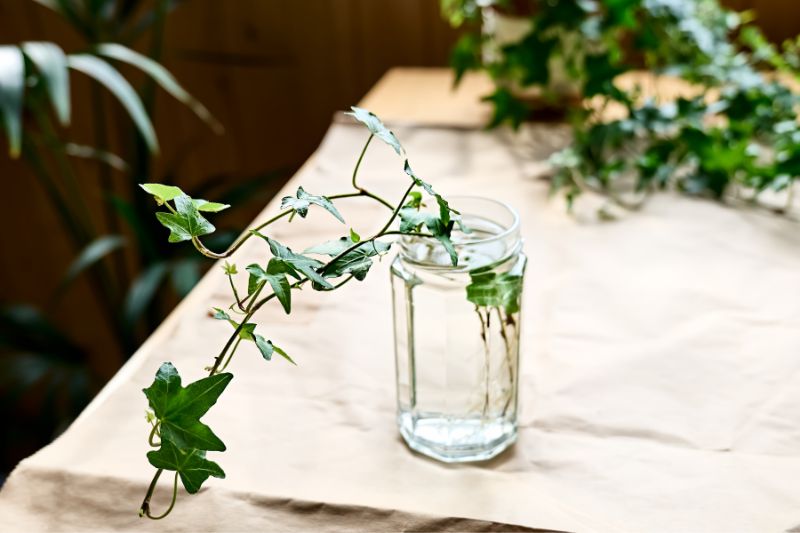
x,y
737,136
119,256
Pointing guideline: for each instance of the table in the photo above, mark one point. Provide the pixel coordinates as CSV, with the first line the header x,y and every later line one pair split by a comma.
x,y
659,386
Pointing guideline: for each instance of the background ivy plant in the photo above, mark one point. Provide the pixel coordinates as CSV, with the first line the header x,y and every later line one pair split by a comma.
x,y
736,137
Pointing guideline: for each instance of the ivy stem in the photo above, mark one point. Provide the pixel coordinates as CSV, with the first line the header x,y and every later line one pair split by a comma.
x,y
145,509
153,433
230,355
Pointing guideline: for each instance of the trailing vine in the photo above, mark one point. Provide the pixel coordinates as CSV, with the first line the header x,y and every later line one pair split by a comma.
x,y
180,441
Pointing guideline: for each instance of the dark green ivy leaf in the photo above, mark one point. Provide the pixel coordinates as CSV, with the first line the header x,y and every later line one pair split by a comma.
x,y
374,124
179,409
302,201
186,223
190,464
275,275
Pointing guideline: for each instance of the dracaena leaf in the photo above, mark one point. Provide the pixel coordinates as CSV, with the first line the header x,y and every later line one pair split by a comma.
x,y
51,63
179,408
190,464
374,124
302,201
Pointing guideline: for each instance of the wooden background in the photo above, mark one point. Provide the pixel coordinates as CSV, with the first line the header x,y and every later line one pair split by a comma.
x,y
272,71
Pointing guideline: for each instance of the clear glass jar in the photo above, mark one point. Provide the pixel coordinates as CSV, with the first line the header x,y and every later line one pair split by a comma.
x,y
457,333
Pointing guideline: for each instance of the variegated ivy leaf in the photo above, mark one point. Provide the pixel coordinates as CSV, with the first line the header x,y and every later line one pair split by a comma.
x,y
412,219
248,333
296,262
377,128
357,261
302,201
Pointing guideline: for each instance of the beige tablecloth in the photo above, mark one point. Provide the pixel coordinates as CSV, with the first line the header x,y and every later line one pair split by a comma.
x,y
659,392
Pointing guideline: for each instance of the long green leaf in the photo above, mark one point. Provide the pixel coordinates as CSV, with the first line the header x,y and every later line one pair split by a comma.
x,y
103,156
12,82
162,76
94,252
142,291
52,65
108,76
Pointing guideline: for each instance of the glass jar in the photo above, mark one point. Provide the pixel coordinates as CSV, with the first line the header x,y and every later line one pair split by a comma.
x,y
457,333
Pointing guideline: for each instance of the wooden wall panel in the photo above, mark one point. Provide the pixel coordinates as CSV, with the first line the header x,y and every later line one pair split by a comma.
x,y
273,72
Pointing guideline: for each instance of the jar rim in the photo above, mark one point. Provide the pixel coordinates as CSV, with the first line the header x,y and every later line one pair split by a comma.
x,y
513,227
508,230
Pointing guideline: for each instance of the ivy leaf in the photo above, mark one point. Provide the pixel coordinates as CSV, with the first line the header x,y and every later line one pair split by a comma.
x,y
267,349
377,128
246,333
187,223
306,265
162,193
165,193
357,261
355,237
283,354
412,219
489,289
275,275
209,207
303,201
190,464
230,269
444,206
179,408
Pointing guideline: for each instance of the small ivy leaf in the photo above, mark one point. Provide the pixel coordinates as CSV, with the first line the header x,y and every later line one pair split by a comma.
x,y
377,128
265,347
162,193
356,262
179,408
209,207
298,262
414,200
190,464
275,275
303,200
355,237
230,269
246,333
283,354
187,223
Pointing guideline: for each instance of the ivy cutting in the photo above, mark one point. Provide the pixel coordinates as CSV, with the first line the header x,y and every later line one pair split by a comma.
x,y
179,439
